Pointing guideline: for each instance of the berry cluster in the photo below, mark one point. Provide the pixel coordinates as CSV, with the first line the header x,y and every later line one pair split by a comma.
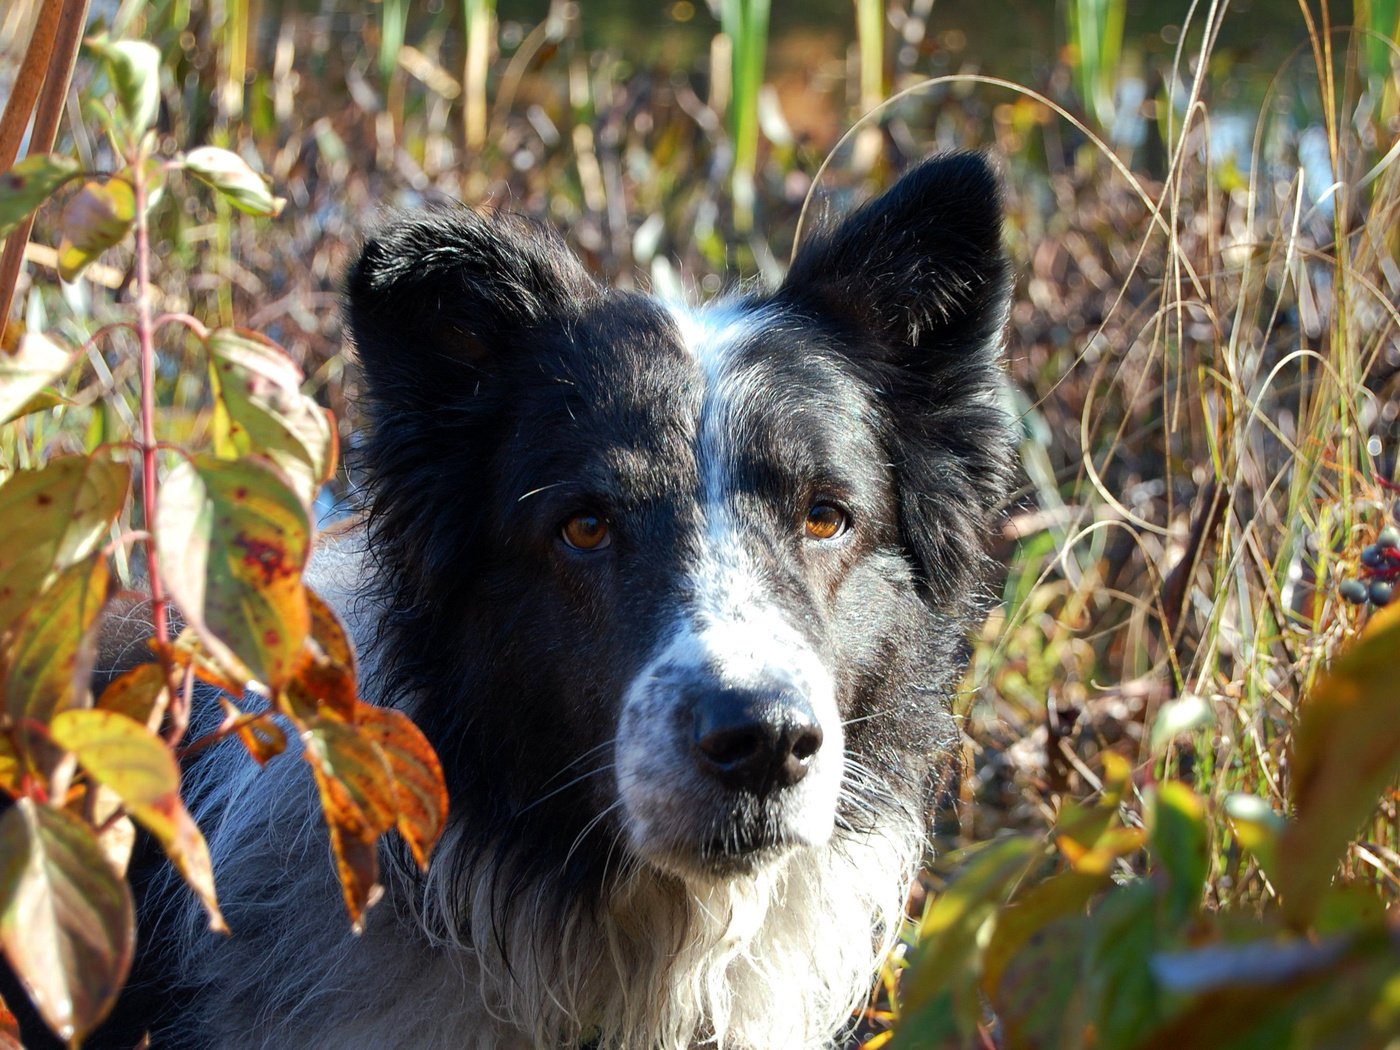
x,y
1380,568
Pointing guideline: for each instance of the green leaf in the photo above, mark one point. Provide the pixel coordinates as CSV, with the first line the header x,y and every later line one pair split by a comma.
x,y
93,220
266,413
50,661
134,66
951,936
1180,846
1346,749
52,518
36,363
66,922
1178,717
131,761
232,541
1064,895
231,176
1257,828
1121,993
28,184
1040,996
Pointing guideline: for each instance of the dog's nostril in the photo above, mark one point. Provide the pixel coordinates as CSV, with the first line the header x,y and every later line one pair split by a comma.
x,y
755,741
728,747
806,742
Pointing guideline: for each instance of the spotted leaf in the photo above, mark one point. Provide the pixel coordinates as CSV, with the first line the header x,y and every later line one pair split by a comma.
x,y
66,922
232,542
52,518
94,219
265,411
28,184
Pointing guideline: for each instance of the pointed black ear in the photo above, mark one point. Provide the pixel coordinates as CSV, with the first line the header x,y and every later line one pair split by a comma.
x,y
916,287
437,295
921,266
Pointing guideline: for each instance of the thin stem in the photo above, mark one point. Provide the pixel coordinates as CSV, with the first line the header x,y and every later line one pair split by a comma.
x,y
145,331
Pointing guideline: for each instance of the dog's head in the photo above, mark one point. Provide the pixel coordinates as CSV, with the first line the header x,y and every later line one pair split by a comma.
x,y
688,583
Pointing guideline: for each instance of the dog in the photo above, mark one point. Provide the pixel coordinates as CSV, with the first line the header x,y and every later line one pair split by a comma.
x,y
679,595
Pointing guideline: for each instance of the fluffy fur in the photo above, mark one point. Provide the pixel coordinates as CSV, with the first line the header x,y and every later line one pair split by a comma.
x,y
603,882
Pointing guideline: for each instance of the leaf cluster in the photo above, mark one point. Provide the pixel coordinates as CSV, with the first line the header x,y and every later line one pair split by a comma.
x,y
223,527
1061,944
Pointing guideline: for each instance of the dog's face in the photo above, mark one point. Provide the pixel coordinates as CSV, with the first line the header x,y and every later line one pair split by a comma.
x,y
687,584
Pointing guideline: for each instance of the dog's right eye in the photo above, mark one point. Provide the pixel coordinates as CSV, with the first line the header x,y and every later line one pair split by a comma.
x,y
586,532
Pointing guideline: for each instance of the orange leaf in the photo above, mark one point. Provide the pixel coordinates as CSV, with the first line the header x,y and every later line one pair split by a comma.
x,y
260,735
9,1028
324,681
66,918
357,799
142,694
420,796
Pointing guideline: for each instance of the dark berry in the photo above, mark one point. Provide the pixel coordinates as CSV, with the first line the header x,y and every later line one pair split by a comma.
x,y
1371,557
1389,538
1380,592
1353,591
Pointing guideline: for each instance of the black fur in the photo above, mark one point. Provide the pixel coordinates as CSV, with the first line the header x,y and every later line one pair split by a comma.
x,y
507,391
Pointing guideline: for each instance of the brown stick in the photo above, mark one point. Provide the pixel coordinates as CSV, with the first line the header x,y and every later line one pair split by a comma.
x,y
72,19
20,106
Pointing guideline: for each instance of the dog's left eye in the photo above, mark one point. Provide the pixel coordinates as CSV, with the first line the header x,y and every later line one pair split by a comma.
x,y
826,521
586,532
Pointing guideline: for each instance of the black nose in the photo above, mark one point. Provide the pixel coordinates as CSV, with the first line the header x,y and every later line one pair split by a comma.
x,y
754,740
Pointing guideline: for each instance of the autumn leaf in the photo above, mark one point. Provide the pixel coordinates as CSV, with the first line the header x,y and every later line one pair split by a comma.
x,y
28,184
1346,749
358,800
131,761
232,543
24,374
265,412
141,694
50,662
95,218
420,795
52,518
66,918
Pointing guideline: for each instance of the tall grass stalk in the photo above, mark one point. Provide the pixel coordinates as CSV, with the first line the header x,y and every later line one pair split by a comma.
x,y
745,23
393,28
870,43
479,20
1096,46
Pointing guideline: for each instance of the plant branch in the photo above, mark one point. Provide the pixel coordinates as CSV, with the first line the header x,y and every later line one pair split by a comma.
x,y
145,332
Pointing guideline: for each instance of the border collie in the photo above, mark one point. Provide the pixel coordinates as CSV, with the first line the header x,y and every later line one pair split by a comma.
x,y
679,595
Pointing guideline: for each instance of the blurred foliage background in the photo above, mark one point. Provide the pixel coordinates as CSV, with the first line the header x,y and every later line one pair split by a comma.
x,y
1202,213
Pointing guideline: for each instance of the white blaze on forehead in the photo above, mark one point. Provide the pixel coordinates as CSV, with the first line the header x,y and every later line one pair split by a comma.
x,y
735,624
730,629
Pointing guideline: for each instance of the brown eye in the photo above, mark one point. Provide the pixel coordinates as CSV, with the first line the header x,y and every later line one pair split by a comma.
x,y
826,522
586,532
